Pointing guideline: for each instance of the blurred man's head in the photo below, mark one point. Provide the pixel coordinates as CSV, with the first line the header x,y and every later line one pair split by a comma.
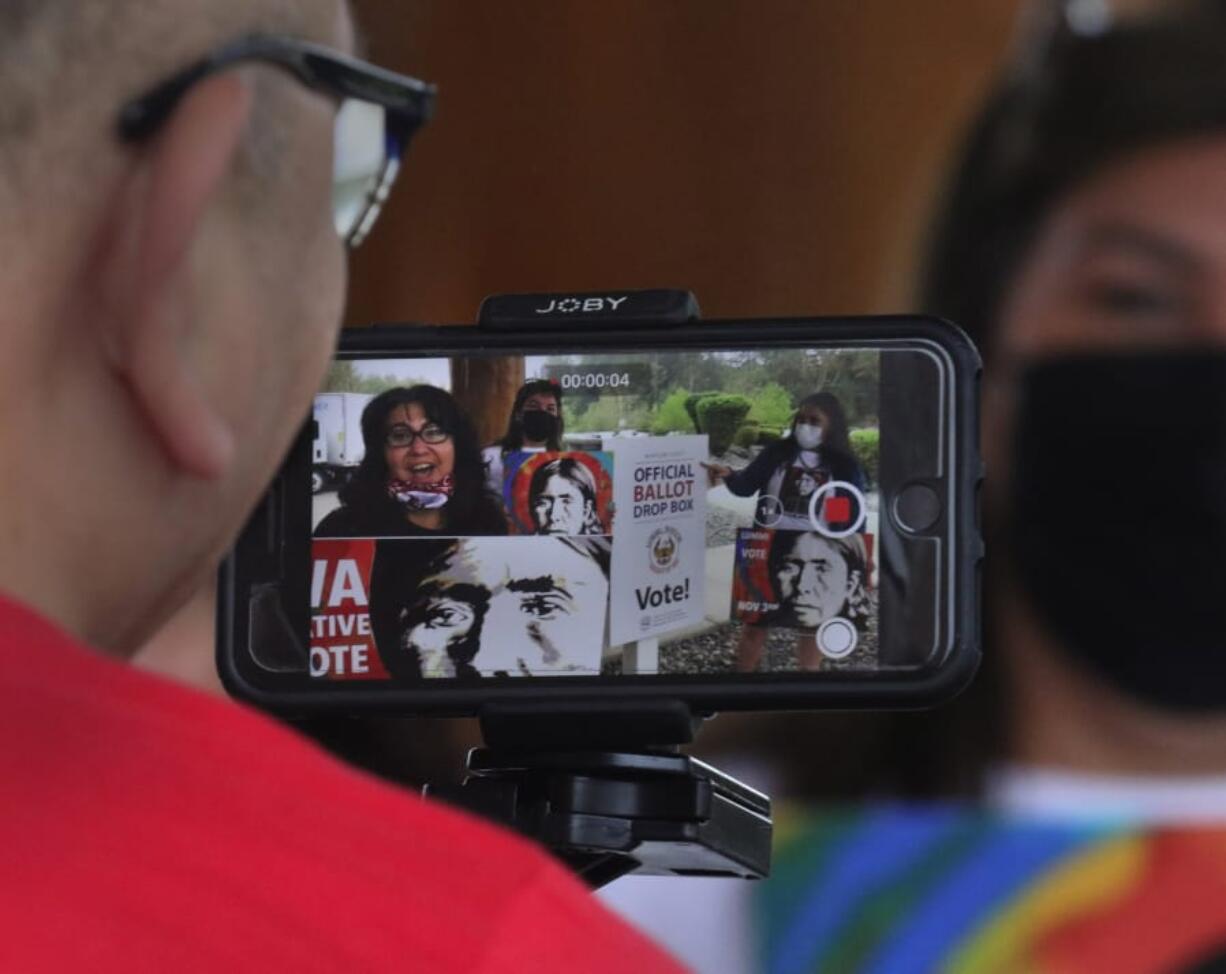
x,y
167,304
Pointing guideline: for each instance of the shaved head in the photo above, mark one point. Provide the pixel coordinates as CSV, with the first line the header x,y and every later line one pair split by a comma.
x,y
178,294
67,66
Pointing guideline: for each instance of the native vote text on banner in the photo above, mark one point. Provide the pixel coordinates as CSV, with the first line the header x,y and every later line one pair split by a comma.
x,y
659,536
342,647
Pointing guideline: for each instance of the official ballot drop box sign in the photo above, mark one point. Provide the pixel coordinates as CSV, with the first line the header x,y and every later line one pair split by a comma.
x,y
659,536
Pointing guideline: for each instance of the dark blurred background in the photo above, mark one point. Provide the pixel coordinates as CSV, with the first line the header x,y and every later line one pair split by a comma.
x,y
777,158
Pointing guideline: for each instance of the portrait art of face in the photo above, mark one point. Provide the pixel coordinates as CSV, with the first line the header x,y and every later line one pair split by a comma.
x,y
513,606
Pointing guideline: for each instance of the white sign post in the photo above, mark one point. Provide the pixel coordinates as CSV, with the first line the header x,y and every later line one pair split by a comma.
x,y
659,538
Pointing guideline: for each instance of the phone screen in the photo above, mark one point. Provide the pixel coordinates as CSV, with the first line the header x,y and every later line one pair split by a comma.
x,y
487,517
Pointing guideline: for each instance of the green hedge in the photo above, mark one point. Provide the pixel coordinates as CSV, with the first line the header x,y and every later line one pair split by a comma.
x,y
691,408
866,445
673,416
753,433
720,416
747,435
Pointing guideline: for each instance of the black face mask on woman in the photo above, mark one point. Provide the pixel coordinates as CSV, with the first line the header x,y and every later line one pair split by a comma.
x,y
539,426
1117,518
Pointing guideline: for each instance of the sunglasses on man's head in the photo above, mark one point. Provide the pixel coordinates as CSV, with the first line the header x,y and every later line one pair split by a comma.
x,y
378,113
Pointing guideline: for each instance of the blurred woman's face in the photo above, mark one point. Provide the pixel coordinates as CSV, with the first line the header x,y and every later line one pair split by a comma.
x,y
540,419
812,416
541,401
420,462
1134,259
810,427
1131,263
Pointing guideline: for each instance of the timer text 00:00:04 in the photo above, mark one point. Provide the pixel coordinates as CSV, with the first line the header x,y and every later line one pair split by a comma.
x,y
594,380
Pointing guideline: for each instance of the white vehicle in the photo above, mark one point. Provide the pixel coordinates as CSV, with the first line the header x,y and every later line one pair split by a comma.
x,y
598,439
338,446
583,441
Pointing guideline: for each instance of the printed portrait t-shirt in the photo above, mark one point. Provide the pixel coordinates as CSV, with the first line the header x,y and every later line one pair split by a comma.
x,y
148,827
793,484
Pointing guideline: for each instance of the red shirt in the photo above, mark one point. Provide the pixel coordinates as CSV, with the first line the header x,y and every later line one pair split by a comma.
x,y
145,826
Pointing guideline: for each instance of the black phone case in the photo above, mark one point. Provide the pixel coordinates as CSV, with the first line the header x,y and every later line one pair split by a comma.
x,y
265,577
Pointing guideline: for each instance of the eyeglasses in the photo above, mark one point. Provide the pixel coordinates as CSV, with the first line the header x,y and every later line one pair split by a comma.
x,y
401,436
379,111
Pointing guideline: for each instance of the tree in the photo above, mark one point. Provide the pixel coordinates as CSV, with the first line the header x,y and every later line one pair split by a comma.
x,y
672,416
720,417
609,415
772,406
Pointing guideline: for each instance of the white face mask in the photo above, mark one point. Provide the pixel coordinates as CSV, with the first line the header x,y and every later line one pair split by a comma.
x,y
808,436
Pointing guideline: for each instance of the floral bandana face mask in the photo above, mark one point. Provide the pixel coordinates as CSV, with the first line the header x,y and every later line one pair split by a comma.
x,y
422,497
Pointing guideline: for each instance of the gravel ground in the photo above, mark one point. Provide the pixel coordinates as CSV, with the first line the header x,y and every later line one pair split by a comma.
x,y
721,526
714,651
721,522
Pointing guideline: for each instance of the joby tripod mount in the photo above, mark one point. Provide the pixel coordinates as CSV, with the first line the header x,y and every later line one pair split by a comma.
x,y
605,788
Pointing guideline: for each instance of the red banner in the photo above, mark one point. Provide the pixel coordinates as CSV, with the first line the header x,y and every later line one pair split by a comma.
x,y
342,647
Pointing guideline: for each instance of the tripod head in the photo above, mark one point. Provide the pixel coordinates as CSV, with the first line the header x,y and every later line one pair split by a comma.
x,y
605,788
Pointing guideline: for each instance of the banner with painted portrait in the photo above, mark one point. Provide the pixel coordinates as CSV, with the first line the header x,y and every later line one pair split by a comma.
x,y
813,581
568,493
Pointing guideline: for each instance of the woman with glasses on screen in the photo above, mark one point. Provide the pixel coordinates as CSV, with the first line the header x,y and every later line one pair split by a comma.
x,y
421,473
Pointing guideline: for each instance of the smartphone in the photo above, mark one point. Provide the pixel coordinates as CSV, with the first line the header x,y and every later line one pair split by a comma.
x,y
753,514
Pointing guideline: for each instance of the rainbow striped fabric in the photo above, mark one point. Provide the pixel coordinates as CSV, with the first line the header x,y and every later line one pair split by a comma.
x,y
935,888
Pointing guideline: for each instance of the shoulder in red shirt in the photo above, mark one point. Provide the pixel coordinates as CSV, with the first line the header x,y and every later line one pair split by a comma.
x,y
149,827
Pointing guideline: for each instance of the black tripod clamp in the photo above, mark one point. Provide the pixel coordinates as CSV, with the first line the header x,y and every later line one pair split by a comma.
x,y
584,781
